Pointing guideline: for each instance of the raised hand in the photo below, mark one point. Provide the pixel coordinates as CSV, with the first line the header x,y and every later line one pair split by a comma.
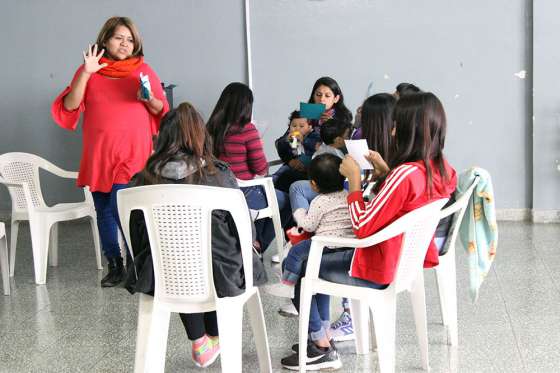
x,y
91,59
380,167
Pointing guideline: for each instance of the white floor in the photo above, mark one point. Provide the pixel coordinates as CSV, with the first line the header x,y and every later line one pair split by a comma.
x,y
73,325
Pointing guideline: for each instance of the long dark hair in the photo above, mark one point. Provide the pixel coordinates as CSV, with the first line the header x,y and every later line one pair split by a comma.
x,y
420,126
377,122
340,110
233,109
182,136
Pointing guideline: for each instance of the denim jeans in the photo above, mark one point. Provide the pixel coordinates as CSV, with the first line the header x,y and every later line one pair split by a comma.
x,y
335,267
108,222
292,266
256,200
301,195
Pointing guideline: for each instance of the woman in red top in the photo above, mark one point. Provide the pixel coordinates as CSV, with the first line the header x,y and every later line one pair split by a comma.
x,y
118,124
416,174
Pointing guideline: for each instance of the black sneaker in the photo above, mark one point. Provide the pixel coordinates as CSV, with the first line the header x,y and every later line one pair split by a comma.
x,y
318,358
295,346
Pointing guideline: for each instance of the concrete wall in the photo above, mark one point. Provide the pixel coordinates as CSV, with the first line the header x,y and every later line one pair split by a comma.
x,y
198,45
465,52
546,110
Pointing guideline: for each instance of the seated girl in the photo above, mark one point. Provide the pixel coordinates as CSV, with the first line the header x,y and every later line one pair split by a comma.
x,y
183,155
415,174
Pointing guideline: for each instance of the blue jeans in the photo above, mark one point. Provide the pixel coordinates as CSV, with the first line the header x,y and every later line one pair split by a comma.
x,y
301,195
108,222
292,266
335,265
256,200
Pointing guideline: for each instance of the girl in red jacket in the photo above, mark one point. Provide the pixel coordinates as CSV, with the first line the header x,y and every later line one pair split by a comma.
x,y
415,173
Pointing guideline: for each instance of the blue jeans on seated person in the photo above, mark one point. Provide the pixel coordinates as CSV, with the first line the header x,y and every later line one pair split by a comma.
x,y
108,222
292,266
301,195
256,200
335,267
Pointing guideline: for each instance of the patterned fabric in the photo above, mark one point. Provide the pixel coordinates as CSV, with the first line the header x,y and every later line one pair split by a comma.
x,y
327,215
479,230
243,150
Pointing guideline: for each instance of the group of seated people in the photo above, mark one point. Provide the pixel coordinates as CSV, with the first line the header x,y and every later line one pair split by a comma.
x,y
319,188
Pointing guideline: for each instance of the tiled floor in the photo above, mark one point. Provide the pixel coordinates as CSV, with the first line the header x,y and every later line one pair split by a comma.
x,y
73,325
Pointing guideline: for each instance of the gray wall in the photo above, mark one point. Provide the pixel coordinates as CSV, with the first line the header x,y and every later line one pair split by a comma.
x,y
546,106
465,52
199,45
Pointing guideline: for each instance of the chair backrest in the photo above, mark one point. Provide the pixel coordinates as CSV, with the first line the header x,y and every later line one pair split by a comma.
x,y
458,208
23,168
178,221
2,230
419,227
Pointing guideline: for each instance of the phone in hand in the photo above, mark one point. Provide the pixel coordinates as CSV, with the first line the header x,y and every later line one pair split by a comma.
x,y
145,86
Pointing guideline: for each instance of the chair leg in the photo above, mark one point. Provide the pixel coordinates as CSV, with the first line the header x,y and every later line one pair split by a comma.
x,y
96,244
40,242
229,313
360,320
451,301
13,244
418,299
384,319
145,306
53,246
440,281
304,308
256,316
156,345
4,265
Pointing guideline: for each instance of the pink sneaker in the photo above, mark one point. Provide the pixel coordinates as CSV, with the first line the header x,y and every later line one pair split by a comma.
x,y
205,351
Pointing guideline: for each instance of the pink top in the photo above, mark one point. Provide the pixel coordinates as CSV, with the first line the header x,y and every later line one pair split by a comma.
x,y
117,127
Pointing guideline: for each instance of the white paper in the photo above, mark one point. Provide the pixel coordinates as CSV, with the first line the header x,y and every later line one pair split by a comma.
x,y
357,149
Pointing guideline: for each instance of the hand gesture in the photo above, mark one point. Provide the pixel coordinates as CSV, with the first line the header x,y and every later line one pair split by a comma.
x,y
91,60
380,167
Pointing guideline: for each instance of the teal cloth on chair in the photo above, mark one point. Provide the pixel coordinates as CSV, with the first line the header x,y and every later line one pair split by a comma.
x,y
479,229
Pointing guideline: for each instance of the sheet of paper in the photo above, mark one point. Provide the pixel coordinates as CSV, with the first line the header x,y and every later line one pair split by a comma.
x,y
311,111
357,149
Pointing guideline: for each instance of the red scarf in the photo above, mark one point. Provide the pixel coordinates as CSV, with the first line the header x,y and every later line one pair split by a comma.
x,y
120,68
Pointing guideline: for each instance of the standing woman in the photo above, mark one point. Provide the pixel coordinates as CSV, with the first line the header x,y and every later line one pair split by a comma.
x,y
118,125
238,143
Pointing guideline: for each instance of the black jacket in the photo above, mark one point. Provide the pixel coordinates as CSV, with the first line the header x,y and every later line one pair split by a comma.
x,y
227,264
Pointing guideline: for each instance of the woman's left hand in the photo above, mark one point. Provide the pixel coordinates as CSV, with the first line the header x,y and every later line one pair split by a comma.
x,y
139,96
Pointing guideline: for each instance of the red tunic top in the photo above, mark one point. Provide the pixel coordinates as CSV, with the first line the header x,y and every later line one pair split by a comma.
x,y
117,127
404,190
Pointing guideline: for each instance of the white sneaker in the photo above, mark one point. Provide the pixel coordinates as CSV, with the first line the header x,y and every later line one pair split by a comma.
x,y
275,258
288,310
280,290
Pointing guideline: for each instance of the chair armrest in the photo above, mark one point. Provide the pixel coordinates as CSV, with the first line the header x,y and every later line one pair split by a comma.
x,y
59,171
257,181
87,195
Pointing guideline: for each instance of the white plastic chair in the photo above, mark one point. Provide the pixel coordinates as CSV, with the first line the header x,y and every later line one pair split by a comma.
x,y
178,220
271,211
418,229
4,260
20,173
446,271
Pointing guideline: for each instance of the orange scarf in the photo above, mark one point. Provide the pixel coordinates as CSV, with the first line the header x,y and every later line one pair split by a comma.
x,y
120,69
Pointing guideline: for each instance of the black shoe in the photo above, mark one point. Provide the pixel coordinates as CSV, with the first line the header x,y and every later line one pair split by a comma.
x,y
116,273
318,358
295,347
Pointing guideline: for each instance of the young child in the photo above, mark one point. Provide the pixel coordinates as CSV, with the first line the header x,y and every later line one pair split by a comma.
x,y
295,149
327,91
327,214
333,134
